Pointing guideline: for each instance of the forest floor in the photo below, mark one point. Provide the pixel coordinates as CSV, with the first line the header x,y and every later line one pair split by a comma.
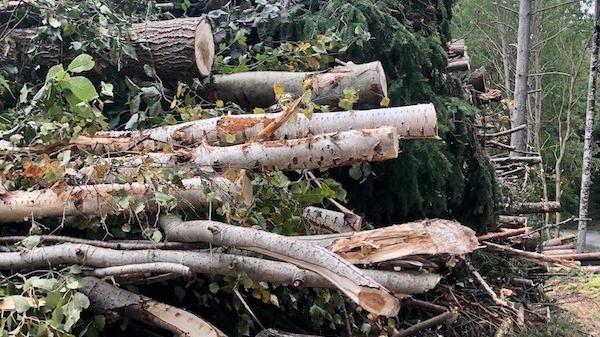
x,y
580,296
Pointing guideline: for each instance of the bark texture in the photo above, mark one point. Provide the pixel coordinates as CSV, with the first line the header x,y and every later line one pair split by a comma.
x,y
331,221
207,263
349,279
103,199
255,89
416,121
177,49
314,152
425,237
519,113
586,169
533,207
105,297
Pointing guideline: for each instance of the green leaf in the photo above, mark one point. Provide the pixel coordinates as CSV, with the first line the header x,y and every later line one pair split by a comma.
x,y
229,138
356,172
83,62
157,236
75,269
21,303
31,241
306,96
4,83
82,88
54,23
106,89
45,284
258,110
385,102
72,310
99,322
213,287
55,72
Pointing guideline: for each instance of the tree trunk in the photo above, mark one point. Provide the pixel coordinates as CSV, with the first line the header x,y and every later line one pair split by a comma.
x,y
509,221
504,234
515,159
349,279
255,89
105,297
177,49
315,152
519,113
330,221
104,199
504,53
208,263
586,174
532,208
425,237
416,121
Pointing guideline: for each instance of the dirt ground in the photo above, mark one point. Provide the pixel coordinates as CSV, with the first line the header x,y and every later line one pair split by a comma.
x,y
579,295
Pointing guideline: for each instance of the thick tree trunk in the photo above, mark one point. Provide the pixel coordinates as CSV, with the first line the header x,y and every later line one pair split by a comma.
x,y
255,89
103,199
349,279
509,221
519,113
315,152
426,237
105,297
586,170
208,263
177,49
330,221
416,121
458,60
532,208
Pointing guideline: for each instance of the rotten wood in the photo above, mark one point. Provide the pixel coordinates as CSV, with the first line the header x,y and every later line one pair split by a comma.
x,y
105,297
354,283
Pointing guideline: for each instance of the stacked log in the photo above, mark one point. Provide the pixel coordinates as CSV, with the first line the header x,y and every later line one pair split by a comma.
x,y
458,60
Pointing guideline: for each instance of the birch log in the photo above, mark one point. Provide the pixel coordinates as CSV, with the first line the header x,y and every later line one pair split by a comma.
x,y
103,199
314,152
411,122
360,288
177,49
105,297
255,89
425,237
205,262
331,221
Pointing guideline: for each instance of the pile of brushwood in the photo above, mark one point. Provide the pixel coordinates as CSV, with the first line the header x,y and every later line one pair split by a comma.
x,y
176,166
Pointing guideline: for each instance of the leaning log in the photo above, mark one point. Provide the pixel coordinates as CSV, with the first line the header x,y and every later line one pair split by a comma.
x,y
177,49
532,208
105,297
207,263
360,288
565,239
314,152
255,89
527,160
104,199
411,122
425,237
504,234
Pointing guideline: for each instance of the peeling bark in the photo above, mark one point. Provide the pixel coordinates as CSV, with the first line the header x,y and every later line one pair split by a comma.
x,y
411,122
105,297
207,263
103,199
315,152
255,89
426,237
349,279
331,221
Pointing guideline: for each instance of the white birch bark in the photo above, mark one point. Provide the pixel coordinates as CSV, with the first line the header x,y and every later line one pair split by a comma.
x,y
426,237
155,267
255,89
586,169
411,122
354,283
105,297
207,263
315,152
519,113
103,199
331,221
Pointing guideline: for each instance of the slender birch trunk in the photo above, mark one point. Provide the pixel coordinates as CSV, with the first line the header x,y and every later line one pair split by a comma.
x,y
586,174
519,113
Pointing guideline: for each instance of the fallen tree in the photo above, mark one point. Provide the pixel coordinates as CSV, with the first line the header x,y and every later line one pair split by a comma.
x,y
349,279
108,298
177,49
426,237
104,199
315,152
255,89
416,121
532,208
331,221
207,263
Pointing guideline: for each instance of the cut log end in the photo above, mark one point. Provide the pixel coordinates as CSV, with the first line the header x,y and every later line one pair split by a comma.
x,y
378,302
382,79
204,48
